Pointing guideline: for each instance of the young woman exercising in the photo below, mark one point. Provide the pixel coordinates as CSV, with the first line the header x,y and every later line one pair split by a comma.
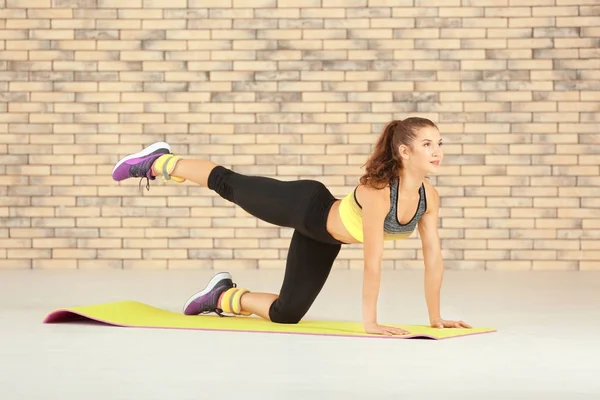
x,y
391,201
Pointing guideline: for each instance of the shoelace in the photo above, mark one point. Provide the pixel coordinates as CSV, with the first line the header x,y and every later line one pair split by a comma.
x,y
141,170
147,183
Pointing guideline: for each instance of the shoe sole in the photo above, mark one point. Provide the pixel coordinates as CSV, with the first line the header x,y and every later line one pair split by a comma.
x,y
215,279
147,151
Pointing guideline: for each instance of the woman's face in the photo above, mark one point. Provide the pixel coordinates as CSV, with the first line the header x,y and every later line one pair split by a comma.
x,y
426,152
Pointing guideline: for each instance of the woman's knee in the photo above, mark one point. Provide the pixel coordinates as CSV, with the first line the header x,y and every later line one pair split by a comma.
x,y
284,315
281,318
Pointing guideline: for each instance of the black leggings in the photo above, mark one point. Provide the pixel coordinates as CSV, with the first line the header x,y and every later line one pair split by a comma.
x,y
302,205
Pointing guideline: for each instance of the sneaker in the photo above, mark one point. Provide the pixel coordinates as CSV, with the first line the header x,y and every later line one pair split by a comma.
x,y
139,165
207,300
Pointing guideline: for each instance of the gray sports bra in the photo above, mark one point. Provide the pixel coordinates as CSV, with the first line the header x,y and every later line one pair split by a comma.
x,y
392,225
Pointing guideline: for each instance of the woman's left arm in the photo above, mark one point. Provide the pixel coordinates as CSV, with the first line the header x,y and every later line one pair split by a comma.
x,y
432,254
434,264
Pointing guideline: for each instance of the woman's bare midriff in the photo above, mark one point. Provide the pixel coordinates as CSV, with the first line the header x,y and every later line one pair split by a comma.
x,y
335,226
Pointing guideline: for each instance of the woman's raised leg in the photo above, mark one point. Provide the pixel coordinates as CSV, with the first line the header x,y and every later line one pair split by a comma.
x,y
194,170
281,203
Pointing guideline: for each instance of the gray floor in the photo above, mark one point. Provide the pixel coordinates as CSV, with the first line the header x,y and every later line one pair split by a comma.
x,y
546,346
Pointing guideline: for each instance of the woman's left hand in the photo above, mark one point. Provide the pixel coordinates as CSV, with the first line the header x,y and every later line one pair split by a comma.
x,y
444,323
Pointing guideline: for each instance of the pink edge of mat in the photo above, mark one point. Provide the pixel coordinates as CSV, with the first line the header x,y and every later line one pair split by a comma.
x,y
58,316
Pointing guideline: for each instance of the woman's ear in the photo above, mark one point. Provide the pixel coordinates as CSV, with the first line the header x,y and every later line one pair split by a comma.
x,y
404,152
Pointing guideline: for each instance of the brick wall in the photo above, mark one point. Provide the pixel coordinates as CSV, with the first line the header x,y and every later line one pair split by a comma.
x,y
295,89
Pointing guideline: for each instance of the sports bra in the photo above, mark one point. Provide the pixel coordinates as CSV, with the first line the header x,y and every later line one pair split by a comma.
x,y
351,214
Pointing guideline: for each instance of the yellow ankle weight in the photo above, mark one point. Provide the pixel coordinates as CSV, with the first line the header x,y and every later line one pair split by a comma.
x,y
165,165
232,301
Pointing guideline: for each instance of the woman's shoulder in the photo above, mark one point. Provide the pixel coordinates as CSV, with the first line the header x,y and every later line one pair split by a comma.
x,y
374,190
431,194
367,194
429,187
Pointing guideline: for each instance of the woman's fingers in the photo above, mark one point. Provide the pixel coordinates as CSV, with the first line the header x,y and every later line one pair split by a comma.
x,y
399,331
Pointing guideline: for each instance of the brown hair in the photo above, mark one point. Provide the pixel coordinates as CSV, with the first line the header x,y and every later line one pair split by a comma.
x,y
385,162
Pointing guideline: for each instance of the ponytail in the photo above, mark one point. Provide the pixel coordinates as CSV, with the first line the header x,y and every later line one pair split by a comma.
x,y
382,165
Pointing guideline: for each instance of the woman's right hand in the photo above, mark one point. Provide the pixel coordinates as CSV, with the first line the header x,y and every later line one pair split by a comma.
x,y
377,329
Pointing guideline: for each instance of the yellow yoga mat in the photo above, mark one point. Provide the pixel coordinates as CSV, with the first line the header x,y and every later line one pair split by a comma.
x,y
139,315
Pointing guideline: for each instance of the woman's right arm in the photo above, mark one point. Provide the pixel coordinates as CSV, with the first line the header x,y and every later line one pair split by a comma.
x,y
374,209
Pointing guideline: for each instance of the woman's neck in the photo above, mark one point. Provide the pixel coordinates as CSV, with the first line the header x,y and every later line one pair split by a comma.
x,y
410,182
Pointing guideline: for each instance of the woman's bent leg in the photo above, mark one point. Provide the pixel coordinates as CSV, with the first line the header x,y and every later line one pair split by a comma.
x,y
308,266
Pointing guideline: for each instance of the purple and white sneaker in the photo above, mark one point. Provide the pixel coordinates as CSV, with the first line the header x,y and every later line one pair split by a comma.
x,y
207,300
139,165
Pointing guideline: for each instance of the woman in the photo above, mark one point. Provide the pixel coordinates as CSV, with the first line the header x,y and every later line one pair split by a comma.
x,y
392,200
